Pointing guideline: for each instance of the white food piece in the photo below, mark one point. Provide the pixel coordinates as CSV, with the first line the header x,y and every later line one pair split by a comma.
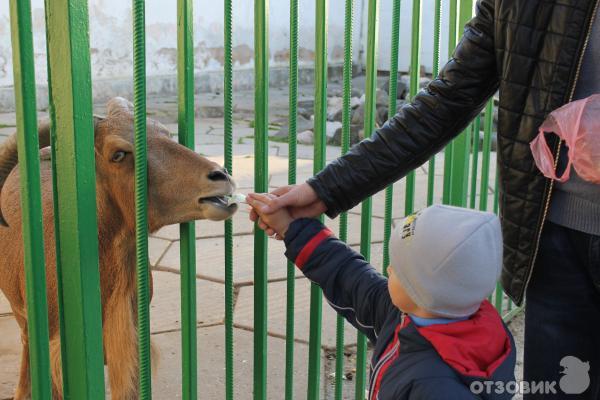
x,y
236,198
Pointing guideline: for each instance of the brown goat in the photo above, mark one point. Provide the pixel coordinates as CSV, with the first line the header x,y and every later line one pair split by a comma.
x,y
182,186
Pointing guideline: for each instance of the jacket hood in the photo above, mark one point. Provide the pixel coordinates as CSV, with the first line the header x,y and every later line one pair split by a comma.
x,y
478,349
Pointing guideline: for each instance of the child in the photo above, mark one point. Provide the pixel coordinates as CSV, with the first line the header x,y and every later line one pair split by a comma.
x,y
435,335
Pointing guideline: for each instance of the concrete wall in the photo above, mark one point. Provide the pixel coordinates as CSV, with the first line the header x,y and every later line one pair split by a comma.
x,y
111,43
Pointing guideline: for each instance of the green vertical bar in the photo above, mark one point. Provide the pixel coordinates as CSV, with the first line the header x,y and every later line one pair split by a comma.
x,y
291,270
31,203
316,296
436,65
475,164
346,119
365,225
261,174
77,235
415,69
461,145
141,199
448,151
486,152
59,278
393,89
228,123
187,231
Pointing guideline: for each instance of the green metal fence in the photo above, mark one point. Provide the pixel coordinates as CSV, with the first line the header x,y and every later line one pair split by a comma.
x,y
466,176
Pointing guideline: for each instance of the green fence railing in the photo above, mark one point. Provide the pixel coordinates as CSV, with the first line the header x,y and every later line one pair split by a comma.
x,y
463,180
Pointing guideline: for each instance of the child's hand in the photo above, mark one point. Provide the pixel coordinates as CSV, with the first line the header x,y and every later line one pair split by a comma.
x,y
276,222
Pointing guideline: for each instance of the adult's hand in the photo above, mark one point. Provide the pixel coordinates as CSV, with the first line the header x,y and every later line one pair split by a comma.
x,y
301,201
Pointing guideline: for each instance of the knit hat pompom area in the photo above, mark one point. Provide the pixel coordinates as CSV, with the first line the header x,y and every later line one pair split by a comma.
x,y
448,259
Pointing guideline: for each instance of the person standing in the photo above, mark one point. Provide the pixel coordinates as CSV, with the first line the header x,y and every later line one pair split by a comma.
x,y
539,55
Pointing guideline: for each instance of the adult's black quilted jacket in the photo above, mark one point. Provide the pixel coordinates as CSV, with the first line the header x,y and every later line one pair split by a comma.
x,y
528,50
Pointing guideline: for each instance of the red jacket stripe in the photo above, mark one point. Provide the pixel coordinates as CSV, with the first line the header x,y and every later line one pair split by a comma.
x,y
310,247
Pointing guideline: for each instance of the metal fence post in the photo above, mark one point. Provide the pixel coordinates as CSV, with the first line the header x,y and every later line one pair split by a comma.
x,y
77,235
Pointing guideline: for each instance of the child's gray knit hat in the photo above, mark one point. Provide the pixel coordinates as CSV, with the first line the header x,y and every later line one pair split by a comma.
x,y
448,259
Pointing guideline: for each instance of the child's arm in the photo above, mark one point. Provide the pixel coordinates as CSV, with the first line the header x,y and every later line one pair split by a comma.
x,y
352,286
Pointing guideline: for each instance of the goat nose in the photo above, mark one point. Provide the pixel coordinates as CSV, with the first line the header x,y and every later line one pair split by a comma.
x,y
218,175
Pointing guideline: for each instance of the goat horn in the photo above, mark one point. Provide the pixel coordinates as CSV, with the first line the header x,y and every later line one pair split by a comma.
x,y
9,156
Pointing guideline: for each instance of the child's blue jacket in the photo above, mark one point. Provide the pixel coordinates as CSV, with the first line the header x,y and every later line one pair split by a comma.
x,y
471,359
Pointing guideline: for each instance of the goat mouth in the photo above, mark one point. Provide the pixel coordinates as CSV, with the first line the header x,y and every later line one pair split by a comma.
x,y
218,201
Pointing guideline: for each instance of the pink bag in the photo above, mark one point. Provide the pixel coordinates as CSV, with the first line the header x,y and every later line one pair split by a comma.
x,y
578,125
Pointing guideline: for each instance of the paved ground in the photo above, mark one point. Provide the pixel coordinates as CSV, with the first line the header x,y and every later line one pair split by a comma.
x,y
164,255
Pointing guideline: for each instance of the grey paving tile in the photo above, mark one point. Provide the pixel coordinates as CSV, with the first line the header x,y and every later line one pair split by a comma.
x,y
277,294
211,366
10,356
165,308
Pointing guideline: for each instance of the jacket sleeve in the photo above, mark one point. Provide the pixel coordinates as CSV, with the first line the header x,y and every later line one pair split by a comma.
x,y
421,128
351,285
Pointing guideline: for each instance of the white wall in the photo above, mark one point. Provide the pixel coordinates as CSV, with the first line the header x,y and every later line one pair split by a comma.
x,y
111,43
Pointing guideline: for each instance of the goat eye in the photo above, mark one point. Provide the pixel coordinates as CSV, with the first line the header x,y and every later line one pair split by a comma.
x,y
118,156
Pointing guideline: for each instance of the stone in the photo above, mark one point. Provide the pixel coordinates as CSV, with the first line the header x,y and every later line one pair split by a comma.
x,y
302,124
331,128
210,111
358,115
355,130
336,114
423,82
335,102
355,102
401,89
306,137
381,98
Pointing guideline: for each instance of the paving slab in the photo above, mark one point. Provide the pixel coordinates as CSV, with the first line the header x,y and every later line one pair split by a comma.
x,y
165,308
210,258
156,248
166,384
205,228
10,356
277,294
4,305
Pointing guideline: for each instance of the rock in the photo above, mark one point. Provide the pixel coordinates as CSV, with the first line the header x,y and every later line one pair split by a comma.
x,y
381,98
355,135
210,111
359,83
331,128
358,115
423,82
382,115
305,112
336,114
335,102
401,89
356,92
355,102
334,108
306,137
302,124
307,104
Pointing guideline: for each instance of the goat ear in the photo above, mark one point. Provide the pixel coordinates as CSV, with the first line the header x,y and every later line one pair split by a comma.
x,y
119,105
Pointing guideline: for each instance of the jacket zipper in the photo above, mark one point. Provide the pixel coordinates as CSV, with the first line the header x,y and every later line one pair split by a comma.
x,y
557,152
383,360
